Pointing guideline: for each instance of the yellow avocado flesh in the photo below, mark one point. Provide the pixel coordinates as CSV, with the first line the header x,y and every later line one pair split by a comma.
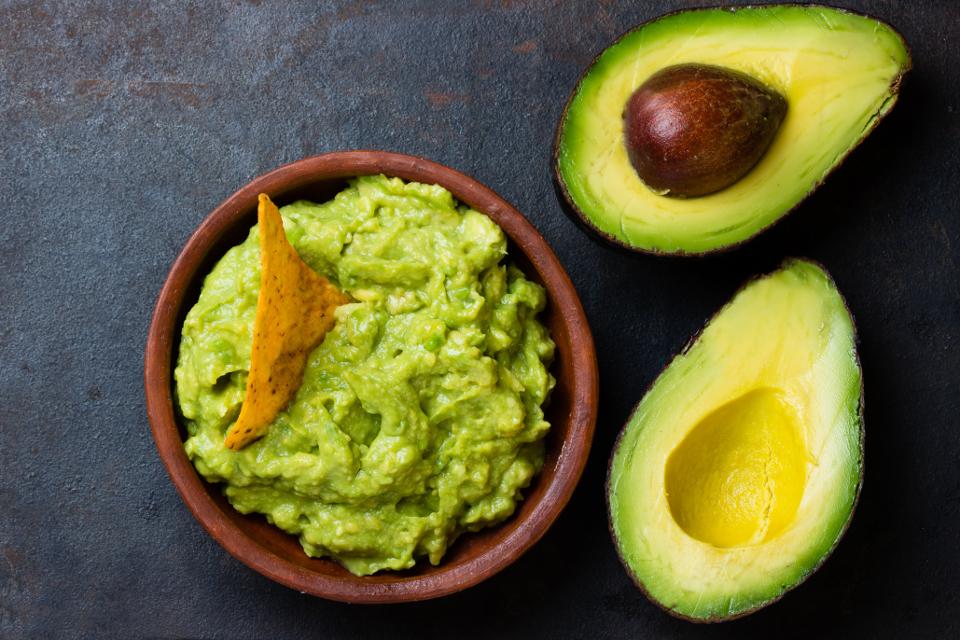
x,y
835,70
738,471
738,476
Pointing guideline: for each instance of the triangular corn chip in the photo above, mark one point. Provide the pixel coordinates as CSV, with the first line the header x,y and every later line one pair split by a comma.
x,y
294,313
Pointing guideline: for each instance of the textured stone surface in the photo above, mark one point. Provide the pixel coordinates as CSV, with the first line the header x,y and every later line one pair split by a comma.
x,y
122,124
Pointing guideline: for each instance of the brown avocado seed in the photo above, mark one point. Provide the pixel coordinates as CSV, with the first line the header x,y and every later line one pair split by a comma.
x,y
694,129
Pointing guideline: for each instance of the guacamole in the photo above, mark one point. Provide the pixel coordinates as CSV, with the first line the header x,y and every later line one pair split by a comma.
x,y
420,414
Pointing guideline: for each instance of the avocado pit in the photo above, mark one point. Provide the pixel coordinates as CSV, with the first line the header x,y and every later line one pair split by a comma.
x,y
694,129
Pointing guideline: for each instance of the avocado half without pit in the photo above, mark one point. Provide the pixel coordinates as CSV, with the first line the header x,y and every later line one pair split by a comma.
x,y
738,471
698,130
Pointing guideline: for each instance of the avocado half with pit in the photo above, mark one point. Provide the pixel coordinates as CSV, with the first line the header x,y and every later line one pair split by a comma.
x,y
657,154
738,471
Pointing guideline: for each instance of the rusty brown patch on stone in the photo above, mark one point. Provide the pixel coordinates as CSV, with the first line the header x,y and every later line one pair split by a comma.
x,y
526,47
605,19
40,16
442,99
353,10
96,87
187,93
503,4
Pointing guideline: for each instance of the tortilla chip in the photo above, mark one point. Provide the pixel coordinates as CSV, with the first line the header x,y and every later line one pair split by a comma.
x,y
294,313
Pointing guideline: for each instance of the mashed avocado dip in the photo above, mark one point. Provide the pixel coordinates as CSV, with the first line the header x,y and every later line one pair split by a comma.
x,y
419,416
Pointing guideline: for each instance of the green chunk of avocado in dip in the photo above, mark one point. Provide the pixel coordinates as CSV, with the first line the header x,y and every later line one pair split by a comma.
x,y
420,415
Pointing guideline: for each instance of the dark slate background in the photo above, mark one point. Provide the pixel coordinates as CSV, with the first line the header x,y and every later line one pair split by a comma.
x,y
122,124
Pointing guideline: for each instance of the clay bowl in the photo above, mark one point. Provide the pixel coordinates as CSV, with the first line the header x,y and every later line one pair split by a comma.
x,y
474,556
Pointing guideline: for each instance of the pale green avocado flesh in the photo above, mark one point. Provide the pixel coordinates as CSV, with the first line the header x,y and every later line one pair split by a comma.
x,y
738,471
839,72
420,414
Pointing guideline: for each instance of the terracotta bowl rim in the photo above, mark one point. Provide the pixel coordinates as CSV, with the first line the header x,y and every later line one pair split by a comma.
x,y
582,381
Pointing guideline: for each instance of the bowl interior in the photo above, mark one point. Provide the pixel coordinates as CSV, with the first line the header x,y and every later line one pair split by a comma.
x,y
474,556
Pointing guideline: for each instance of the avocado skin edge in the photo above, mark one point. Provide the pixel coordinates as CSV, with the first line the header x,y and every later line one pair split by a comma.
x,y
856,497
583,221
